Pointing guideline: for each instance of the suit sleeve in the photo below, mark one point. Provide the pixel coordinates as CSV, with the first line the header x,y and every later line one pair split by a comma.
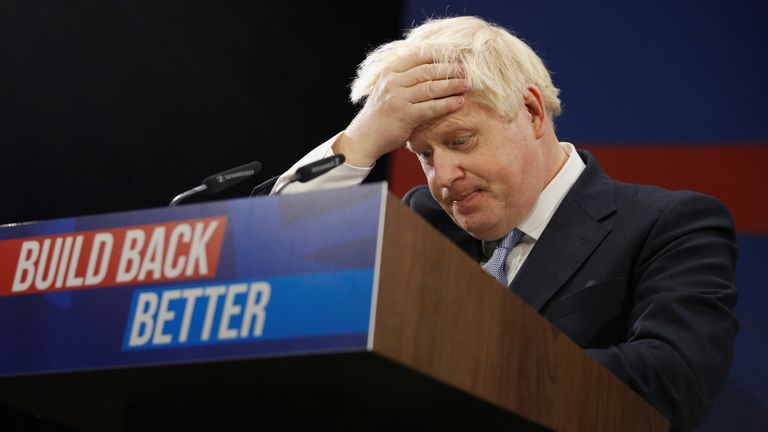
x,y
681,327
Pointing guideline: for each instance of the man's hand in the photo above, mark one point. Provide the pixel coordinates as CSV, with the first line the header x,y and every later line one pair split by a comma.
x,y
412,91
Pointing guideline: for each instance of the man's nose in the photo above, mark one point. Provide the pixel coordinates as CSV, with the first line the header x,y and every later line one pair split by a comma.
x,y
447,166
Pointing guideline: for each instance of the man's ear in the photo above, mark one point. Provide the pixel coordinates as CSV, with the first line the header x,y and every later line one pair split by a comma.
x,y
537,112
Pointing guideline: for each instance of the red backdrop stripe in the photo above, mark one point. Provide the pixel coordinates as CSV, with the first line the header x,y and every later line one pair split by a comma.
x,y
736,174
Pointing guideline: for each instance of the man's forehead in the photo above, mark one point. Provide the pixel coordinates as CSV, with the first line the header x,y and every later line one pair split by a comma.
x,y
436,127
443,125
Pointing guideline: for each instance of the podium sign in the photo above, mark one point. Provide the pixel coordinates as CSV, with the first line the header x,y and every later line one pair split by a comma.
x,y
224,280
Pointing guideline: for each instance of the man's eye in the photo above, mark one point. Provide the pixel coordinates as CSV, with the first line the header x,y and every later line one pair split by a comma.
x,y
461,141
425,154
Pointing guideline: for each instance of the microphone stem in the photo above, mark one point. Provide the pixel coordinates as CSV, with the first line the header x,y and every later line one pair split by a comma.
x,y
290,180
187,194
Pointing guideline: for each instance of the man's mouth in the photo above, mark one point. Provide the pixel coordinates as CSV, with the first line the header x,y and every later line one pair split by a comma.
x,y
464,199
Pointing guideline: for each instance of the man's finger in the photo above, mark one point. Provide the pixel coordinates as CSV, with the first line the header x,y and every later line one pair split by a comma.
x,y
436,89
430,72
425,111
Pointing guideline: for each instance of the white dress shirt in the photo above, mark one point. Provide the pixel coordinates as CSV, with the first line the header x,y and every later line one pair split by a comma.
x,y
344,175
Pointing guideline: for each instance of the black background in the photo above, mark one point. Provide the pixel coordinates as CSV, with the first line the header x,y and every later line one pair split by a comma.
x,y
117,105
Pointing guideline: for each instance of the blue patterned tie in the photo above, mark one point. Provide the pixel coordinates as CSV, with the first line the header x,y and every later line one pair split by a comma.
x,y
497,265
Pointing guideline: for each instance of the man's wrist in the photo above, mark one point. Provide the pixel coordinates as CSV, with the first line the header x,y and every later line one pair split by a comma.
x,y
345,145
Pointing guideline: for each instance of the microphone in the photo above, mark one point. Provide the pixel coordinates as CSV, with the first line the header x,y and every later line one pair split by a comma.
x,y
303,174
317,168
218,182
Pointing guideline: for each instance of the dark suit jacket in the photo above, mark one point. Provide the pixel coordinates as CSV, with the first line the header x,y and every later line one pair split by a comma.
x,y
640,277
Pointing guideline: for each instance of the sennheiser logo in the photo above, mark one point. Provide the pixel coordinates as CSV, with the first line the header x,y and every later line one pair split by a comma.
x,y
230,176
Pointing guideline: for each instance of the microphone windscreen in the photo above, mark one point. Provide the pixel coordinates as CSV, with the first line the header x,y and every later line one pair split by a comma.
x,y
230,177
318,168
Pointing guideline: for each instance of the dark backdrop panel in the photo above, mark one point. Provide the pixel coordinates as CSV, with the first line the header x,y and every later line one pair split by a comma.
x,y
118,105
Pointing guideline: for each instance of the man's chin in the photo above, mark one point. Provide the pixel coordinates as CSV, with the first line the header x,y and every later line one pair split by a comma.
x,y
478,230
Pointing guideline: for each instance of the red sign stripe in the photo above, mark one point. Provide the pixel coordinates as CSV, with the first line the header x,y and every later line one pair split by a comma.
x,y
178,250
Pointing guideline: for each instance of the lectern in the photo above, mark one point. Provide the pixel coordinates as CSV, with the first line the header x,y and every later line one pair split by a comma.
x,y
335,310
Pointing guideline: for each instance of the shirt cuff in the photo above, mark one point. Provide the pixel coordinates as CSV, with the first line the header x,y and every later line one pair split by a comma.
x,y
344,175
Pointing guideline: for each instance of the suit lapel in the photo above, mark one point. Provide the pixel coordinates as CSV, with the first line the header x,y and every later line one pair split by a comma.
x,y
576,229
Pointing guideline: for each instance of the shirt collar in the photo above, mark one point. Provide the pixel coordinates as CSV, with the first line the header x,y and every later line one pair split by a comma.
x,y
552,195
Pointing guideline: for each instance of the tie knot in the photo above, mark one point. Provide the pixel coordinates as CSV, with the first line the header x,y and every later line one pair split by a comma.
x,y
510,240
497,265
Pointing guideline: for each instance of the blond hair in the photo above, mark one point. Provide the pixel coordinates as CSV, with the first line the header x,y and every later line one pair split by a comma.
x,y
498,66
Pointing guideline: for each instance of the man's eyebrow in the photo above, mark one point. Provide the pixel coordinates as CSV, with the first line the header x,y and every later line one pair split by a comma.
x,y
451,129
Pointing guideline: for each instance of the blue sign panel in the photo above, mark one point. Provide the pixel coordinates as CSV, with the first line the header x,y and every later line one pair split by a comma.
x,y
234,279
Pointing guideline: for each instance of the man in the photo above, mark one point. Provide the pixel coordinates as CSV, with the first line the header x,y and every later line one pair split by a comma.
x,y
640,277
